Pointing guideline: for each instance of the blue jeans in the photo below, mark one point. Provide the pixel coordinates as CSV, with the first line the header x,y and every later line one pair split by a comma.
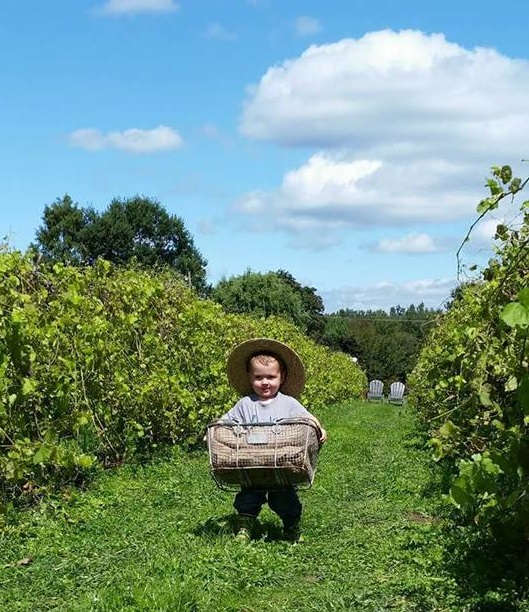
x,y
284,502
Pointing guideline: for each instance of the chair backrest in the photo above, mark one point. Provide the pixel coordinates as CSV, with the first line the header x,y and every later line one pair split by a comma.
x,y
376,388
396,390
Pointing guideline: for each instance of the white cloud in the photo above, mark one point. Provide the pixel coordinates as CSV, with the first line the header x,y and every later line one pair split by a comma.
x,y
333,192
161,138
432,292
412,244
127,7
305,26
393,89
218,32
417,113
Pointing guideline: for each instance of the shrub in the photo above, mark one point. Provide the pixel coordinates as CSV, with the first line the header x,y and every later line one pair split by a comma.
x,y
471,384
100,363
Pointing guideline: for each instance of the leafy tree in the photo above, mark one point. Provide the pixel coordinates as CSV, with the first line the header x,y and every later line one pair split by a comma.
x,y
393,356
386,344
61,236
260,294
136,228
339,335
312,304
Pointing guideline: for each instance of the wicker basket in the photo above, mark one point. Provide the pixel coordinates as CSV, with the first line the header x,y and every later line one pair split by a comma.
x,y
263,455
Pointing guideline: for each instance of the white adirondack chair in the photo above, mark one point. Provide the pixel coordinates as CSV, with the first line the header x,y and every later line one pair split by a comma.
x,y
375,392
396,393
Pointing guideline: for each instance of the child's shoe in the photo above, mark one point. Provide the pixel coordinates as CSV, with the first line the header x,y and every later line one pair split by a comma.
x,y
292,533
245,528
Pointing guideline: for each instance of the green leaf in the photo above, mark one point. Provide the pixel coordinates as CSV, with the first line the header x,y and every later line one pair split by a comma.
x,y
498,424
42,455
523,298
516,185
84,461
511,499
484,395
28,386
515,315
82,420
449,430
502,232
461,492
437,448
511,384
506,174
489,467
483,206
495,189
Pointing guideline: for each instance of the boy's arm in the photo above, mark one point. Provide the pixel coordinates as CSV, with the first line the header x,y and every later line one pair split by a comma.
x,y
232,415
322,438
323,432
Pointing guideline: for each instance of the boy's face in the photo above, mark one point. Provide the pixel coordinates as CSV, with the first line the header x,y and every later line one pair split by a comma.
x,y
265,378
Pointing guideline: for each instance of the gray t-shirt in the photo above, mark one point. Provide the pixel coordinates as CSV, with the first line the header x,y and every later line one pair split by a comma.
x,y
250,409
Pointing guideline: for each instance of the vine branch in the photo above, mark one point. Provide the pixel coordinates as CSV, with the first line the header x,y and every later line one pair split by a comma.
x,y
492,206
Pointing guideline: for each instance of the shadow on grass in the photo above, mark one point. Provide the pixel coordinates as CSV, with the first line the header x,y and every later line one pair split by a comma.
x,y
219,526
491,571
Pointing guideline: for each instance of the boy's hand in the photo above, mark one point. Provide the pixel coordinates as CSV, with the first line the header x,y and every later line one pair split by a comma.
x,y
323,435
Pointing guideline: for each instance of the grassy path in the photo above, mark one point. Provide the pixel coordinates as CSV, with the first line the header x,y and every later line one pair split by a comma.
x,y
159,537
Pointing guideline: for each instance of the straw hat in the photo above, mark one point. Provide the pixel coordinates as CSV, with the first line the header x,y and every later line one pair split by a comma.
x,y
237,365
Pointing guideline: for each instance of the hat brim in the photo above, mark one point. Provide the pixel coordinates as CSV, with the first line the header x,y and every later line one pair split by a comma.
x,y
237,365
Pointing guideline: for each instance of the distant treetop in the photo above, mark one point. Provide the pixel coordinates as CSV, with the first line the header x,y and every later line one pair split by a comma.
x,y
136,228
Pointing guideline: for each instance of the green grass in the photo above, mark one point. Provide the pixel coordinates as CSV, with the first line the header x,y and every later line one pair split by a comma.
x,y
160,538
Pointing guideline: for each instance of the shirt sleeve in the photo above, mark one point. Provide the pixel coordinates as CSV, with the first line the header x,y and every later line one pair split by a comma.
x,y
297,409
234,414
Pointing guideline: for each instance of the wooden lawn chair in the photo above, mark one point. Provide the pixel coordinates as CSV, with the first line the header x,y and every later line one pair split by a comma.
x,y
375,392
396,393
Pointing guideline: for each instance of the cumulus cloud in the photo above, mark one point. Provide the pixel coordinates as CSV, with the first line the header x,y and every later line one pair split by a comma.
x,y
335,192
393,89
216,31
412,244
161,138
305,26
406,125
127,7
383,295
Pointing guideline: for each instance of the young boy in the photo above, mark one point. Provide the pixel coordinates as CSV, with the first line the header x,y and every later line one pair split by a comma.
x,y
268,374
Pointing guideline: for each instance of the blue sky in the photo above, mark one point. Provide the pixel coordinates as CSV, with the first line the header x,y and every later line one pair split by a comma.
x,y
347,142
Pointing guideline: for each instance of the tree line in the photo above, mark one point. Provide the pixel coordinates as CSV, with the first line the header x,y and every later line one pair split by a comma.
x,y
386,344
